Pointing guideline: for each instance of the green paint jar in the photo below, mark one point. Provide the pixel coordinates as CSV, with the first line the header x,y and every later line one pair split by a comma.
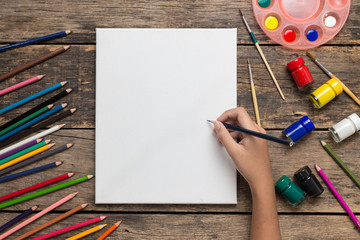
x,y
290,191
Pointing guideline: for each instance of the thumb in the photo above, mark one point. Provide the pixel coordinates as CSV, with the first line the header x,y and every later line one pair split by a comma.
x,y
225,137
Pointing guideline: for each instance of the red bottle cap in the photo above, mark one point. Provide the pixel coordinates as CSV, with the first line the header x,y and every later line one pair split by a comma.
x,y
295,63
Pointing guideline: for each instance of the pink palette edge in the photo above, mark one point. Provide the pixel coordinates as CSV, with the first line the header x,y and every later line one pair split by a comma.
x,y
301,24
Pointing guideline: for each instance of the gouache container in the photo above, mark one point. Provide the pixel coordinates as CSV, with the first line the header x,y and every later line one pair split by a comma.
x,y
301,24
345,128
300,73
290,191
324,94
299,129
308,182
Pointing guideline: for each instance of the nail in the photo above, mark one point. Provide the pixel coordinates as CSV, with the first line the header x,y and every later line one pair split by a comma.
x,y
217,126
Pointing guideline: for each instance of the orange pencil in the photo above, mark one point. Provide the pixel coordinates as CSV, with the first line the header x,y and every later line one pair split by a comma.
x,y
110,230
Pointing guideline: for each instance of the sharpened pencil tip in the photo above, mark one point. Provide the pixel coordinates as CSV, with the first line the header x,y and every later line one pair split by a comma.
x,y
322,142
48,141
71,174
91,176
64,105
41,76
68,32
103,217
69,145
35,207
84,205
59,163
317,167
51,145
68,90
73,110
118,223
74,194
66,47
102,226
310,56
61,125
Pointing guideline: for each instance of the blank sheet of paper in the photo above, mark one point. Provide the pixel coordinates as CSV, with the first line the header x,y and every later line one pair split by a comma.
x,y
155,89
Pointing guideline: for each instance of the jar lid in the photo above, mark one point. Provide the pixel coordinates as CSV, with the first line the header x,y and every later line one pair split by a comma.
x,y
356,120
335,85
305,120
282,183
303,173
296,63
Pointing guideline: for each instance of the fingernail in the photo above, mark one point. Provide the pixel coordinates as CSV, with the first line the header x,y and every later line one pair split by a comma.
x,y
217,126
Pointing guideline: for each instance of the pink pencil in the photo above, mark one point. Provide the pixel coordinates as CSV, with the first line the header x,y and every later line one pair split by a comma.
x,y
38,215
337,195
70,228
22,84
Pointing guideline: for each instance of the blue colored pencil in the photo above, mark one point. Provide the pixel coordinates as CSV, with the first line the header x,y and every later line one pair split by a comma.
x,y
18,218
32,122
30,171
32,97
35,40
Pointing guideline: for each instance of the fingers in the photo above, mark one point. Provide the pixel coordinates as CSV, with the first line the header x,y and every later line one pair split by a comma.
x,y
226,139
238,116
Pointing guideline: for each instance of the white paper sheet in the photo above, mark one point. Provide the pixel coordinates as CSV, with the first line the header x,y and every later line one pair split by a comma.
x,y
155,89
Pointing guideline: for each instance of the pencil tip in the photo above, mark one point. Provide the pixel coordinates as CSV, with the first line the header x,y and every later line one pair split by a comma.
x,y
103,217
317,167
64,105
322,142
71,174
59,163
102,226
91,176
66,47
68,90
73,110
63,83
41,76
51,145
118,223
61,125
48,141
74,194
35,207
84,205
69,145
68,32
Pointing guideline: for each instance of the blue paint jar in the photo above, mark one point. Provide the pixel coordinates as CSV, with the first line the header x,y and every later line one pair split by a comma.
x,y
299,129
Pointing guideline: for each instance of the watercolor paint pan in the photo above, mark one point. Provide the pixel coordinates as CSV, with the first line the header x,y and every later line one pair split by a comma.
x,y
301,24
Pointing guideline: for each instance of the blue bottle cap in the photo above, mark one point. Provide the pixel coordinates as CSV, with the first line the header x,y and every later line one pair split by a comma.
x,y
308,124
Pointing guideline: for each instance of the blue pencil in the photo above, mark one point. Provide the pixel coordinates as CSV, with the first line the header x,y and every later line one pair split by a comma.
x,y
32,97
30,171
32,122
35,40
18,217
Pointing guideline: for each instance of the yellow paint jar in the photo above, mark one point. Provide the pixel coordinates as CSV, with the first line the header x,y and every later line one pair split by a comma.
x,y
324,94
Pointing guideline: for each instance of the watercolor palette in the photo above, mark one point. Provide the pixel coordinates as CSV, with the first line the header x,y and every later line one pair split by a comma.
x,y
301,24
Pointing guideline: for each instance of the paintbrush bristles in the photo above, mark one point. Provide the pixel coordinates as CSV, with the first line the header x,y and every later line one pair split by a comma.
x,y
241,15
311,56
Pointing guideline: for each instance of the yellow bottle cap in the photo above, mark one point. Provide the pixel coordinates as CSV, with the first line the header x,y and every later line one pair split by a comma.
x,y
335,85
271,22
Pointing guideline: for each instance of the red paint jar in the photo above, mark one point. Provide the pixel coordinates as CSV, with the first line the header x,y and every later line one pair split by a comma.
x,y
300,73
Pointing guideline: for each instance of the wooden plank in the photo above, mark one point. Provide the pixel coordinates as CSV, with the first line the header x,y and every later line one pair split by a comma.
x,y
200,226
80,159
274,112
34,18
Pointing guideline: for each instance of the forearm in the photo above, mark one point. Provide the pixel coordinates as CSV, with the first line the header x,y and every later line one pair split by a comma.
x,y
265,222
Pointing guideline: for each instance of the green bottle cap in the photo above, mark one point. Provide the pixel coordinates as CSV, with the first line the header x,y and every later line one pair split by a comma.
x,y
282,183
290,190
264,3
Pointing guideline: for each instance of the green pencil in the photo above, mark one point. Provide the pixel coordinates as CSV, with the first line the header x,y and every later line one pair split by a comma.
x,y
45,191
26,150
26,119
341,163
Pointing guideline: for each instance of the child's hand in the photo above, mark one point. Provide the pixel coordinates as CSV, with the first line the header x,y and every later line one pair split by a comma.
x,y
250,155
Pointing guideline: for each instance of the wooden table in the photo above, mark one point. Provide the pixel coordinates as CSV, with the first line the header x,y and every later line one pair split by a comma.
x,y
317,218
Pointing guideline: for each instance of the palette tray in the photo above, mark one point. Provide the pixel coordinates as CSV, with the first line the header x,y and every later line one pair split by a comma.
x,y
301,24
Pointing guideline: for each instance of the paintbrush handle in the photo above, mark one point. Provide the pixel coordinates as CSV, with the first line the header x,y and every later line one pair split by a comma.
x,y
256,108
269,69
346,89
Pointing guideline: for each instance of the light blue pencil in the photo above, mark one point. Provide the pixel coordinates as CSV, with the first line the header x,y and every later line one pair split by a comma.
x,y
32,97
32,122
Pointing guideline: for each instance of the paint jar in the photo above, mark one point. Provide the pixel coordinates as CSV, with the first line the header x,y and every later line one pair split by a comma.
x,y
345,128
290,191
299,129
300,73
309,182
324,94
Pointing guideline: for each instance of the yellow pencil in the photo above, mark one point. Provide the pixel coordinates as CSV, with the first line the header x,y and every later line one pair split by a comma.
x,y
87,232
26,156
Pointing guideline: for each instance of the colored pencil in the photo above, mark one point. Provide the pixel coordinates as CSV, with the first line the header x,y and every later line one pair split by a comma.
x,y
52,221
25,151
22,84
26,119
253,94
32,97
70,228
35,40
87,232
26,156
256,134
33,121
36,158
341,163
45,191
36,186
18,218
337,195
39,135
38,215
110,230
331,75
262,55
18,149
34,109
30,171
33,63
38,126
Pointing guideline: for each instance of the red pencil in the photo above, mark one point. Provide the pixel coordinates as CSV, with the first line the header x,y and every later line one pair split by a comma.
x,y
36,186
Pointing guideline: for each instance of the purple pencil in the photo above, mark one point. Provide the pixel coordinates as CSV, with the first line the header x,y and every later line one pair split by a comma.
x,y
18,217
22,147
337,195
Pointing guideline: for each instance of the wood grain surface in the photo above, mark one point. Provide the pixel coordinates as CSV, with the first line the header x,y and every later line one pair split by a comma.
x,y
322,217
